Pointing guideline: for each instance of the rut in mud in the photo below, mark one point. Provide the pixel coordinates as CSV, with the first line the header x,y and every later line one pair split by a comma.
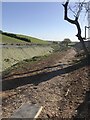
x,y
53,83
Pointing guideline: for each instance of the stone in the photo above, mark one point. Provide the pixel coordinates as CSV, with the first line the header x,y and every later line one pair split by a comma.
x,y
26,110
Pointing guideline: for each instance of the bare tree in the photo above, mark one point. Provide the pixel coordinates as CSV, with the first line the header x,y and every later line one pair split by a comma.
x,y
75,22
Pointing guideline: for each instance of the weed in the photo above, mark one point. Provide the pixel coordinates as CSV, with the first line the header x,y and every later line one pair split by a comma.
x,y
6,60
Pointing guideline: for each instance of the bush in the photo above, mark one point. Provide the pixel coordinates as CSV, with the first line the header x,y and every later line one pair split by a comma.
x,y
66,41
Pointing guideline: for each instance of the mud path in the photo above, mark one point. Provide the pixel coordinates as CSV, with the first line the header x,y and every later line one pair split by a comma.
x,y
46,83
53,62
47,70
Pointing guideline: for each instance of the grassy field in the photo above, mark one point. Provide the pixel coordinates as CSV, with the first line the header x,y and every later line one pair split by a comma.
x,y
7,39
34,40
12,40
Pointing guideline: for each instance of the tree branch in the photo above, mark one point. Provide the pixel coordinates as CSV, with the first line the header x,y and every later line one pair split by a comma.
x,y
75,22
65,15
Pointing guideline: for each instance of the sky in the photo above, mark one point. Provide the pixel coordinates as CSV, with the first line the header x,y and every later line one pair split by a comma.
x,y
44,20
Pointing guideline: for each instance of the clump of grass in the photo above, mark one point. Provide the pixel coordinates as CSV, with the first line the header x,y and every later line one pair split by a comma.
x,y
6,60
59,47
6,71
35,58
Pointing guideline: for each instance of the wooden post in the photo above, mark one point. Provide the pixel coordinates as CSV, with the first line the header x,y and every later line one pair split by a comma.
x,y
89,19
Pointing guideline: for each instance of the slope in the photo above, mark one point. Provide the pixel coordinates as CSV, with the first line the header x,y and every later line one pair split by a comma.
x,y
17,38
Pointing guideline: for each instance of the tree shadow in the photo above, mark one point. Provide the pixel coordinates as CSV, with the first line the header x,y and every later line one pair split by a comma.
x,y
83,110
41,77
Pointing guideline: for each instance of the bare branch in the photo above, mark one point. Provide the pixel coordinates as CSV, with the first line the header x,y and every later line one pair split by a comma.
x,y
65,15
76,23
72,11
80,8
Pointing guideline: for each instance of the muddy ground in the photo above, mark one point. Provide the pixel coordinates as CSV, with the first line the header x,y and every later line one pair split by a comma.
x,y
57,83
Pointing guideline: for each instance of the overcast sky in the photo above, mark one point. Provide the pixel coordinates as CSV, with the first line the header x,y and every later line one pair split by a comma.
x,y
38,19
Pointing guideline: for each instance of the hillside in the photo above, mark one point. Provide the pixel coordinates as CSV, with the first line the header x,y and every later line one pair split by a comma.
x,y
13,55
17,38
9,40
34,40
17,48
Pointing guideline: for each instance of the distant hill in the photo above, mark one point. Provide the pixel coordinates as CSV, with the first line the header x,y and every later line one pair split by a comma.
x,y
34,40
17,38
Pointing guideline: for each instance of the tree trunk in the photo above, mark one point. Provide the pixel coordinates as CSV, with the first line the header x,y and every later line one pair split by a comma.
x,y
76,23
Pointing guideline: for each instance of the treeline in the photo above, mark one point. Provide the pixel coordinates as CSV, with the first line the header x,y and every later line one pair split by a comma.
x,y
1,31
15,36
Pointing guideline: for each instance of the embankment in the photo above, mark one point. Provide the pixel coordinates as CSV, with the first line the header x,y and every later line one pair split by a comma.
x,y
14,54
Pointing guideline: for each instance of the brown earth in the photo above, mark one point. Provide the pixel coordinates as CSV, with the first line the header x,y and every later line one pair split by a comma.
x,y
56,83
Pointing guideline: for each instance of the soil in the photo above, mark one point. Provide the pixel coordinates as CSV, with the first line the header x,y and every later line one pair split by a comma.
x,y
55,83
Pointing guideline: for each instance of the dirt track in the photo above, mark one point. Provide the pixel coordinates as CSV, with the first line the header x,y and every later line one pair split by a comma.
x,y
49,83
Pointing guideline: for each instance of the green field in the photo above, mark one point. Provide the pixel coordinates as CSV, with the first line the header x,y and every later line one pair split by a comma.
x,y
7,39
34,40
12,40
